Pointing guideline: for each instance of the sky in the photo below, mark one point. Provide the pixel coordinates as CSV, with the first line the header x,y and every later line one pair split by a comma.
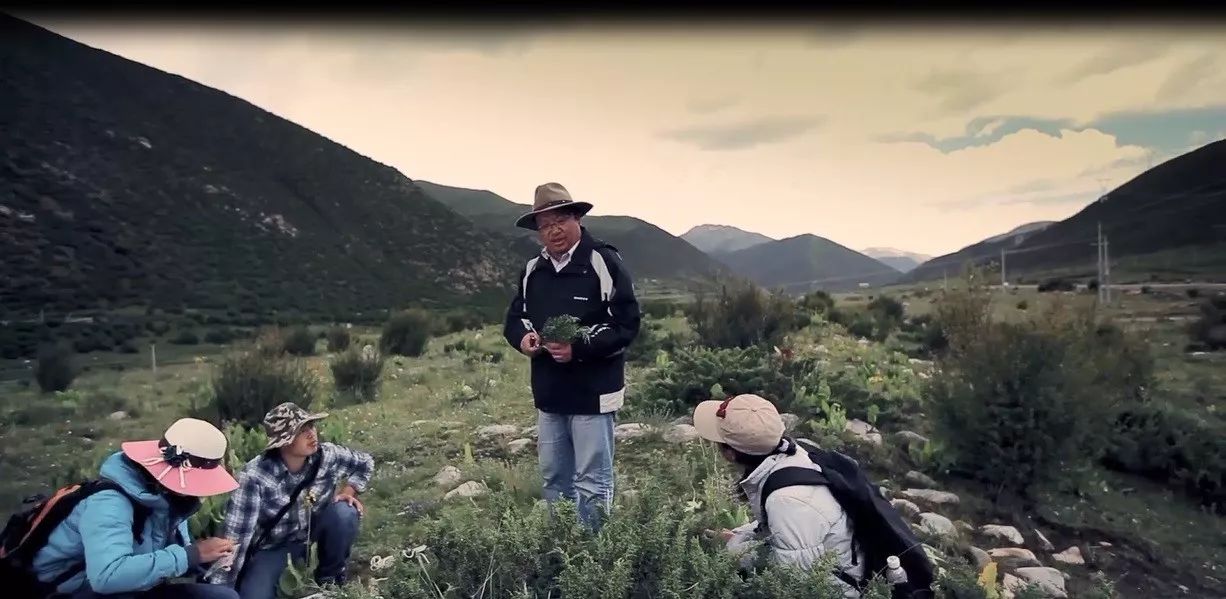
x,y
926,138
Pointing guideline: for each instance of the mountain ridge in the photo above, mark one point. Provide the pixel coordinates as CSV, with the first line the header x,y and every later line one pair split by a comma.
x,y
807,262
723,239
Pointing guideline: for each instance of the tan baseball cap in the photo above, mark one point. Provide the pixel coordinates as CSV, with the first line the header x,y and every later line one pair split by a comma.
x,y
747,423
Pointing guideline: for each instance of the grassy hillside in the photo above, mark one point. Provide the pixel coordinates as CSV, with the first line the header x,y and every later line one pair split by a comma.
x,y
121,186
1177,205
722,239
651,252
808,262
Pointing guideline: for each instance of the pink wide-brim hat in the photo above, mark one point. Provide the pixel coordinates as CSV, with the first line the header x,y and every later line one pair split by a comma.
x,y
189,459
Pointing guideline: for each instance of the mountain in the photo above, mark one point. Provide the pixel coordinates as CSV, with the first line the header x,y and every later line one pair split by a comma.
x,y
122,185
1178,204
808,262
650,252
722,239
897,259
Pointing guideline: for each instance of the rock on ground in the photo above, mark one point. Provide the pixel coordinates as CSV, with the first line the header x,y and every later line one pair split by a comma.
x,y
120,415
789,421
529,432
906,508
1049,579
1072,556
964,527
863,431
448,477
980,558
681,433
1014,557
519,446
931,496
1044,544
1005,533
920,479
938,525
468,489
497,430
909,438
631,430
1010,585
684,420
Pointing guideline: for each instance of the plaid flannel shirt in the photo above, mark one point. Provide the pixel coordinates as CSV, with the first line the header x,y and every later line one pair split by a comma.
x,y
265,485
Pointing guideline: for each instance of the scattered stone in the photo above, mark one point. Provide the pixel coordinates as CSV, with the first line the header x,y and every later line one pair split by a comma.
x,y
632,430
529,432
448,477
518,446
1104,544
907,508
920,479
937,524
886,492
964,527
120,415
1048,579
681,433
789,421
931,496
467,490
684,420
1011,585
1014,557
980,558
1044,544
909,438
497,430
1005,533
1072,556
863,431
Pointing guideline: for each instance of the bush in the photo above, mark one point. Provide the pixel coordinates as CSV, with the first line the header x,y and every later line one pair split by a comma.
x,y
359,372
1023,305
1172,446
458,321
659,308
863,326
56,368
127,347
270,342
1020,404
248,384
339,339
1193,293
185,337
406,333
299,341
888,312
742,315
688,377
817,302
1056,284
1210,329
220,336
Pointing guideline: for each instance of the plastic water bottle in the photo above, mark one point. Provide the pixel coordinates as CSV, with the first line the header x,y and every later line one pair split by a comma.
x,y
894,572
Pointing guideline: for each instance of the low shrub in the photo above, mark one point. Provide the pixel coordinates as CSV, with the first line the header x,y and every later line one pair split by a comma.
x,y
1057,284
186,337
687,378
339,339
359,372
658,308
127,347
1210,329
743,315
56,368
458,321
1023,305
299,341
1172,446
406,333
220,336
246,385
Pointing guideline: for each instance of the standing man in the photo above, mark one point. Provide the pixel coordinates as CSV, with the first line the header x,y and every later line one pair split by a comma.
x,y
577,386
299,491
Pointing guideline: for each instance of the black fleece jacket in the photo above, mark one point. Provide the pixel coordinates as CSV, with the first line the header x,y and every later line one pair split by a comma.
x,y
593,382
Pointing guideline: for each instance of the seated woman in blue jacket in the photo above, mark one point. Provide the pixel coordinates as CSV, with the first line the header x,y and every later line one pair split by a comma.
x,y
95,548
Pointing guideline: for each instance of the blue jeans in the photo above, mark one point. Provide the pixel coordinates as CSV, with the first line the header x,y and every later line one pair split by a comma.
x,y
334,529
166,591
576,462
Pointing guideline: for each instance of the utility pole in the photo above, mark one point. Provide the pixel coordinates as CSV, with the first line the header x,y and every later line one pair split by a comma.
x,y
1106,284
1099,246
1004,281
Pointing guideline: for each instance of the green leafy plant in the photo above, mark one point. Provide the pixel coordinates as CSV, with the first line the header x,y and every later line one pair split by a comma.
x,y
563,329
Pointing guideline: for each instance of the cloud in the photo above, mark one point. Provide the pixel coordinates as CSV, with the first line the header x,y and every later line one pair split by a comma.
x,y
1108,62
709,105
742,135
1187,77
959,89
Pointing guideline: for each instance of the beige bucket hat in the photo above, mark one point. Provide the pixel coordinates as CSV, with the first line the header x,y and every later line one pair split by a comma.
x,y
550,196
747,423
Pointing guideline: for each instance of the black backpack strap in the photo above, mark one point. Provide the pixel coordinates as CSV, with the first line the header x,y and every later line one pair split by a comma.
x,y
798,476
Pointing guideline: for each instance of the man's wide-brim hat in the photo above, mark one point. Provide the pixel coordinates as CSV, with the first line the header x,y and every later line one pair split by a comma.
x,y
285,421
189,459
549,197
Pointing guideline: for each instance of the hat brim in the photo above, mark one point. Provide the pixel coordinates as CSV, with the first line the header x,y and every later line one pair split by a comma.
x,y
528,221
195,482
706,422
286,439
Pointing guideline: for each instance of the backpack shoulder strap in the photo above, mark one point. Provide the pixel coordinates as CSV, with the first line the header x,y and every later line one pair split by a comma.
x,y
791,476
528,268
140,513
602,272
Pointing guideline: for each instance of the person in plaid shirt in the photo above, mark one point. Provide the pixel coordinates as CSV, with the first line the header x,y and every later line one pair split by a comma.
x,y
321,514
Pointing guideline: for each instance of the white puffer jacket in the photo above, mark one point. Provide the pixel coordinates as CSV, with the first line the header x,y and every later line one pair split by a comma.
x,y
805,522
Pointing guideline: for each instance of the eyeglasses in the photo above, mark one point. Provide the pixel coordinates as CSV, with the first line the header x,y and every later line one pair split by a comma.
x,y
553,224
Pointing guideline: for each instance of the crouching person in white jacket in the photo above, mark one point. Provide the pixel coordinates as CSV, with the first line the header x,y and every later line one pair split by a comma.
x,y
799,524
